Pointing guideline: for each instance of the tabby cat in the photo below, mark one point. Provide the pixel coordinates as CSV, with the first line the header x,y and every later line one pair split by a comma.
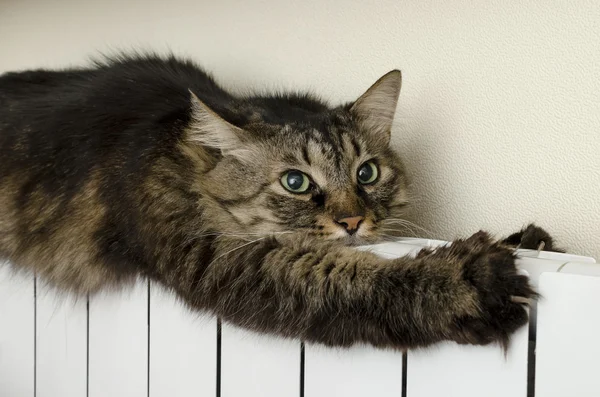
x,y
245,206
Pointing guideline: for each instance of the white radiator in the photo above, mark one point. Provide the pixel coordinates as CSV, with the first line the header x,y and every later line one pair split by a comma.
x,y
144,343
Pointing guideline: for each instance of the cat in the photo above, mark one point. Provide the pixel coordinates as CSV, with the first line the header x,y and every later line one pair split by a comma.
x,y
247,207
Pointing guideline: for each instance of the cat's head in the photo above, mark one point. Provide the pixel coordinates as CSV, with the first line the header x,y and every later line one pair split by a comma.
x,y
303,167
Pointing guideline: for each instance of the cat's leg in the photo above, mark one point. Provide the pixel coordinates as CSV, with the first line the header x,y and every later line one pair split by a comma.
x,y
469,292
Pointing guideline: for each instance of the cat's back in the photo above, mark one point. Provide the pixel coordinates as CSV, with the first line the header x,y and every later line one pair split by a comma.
x,y
109,102
108,85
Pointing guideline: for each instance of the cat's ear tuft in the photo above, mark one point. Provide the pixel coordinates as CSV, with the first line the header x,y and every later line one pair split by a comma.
x,y
209,129
375,108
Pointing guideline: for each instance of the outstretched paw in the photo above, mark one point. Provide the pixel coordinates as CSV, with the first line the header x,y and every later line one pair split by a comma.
x,y
502,293
532,237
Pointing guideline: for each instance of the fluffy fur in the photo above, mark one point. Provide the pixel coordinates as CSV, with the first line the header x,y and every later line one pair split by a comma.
x,y
144,166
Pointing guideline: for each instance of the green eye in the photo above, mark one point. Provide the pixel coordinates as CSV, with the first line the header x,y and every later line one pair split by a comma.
x,y
295,181
367,173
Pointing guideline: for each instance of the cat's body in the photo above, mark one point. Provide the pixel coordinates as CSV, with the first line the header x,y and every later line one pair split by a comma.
x,y
242,205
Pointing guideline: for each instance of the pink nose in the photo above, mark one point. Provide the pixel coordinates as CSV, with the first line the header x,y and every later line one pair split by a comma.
x,y
351,224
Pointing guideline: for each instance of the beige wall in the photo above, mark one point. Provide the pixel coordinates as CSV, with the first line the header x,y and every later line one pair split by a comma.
x,y
499,119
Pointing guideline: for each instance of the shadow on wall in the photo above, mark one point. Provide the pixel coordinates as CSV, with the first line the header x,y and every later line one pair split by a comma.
x,y
417,139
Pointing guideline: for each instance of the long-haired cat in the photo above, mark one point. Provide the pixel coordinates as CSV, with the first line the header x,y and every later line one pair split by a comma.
x,y
245,206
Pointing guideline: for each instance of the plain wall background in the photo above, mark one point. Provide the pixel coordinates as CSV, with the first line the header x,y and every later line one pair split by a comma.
x,y
499,117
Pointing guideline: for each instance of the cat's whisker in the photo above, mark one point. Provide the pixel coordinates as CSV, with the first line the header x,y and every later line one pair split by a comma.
x,y
400,227
401,233
235,249
387,237
407,223
196,237
238,235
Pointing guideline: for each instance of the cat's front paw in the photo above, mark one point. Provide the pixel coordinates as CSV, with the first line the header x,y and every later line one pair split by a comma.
x,y
532,237
501,293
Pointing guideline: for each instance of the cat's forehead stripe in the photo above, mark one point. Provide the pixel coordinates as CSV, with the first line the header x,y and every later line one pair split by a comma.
x,y
306,155
356,147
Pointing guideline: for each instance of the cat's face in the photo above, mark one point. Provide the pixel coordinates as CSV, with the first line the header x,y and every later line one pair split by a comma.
x,y
335,177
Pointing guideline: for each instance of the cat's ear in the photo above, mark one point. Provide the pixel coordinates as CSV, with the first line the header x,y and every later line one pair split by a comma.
x,y
375,108
209,129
